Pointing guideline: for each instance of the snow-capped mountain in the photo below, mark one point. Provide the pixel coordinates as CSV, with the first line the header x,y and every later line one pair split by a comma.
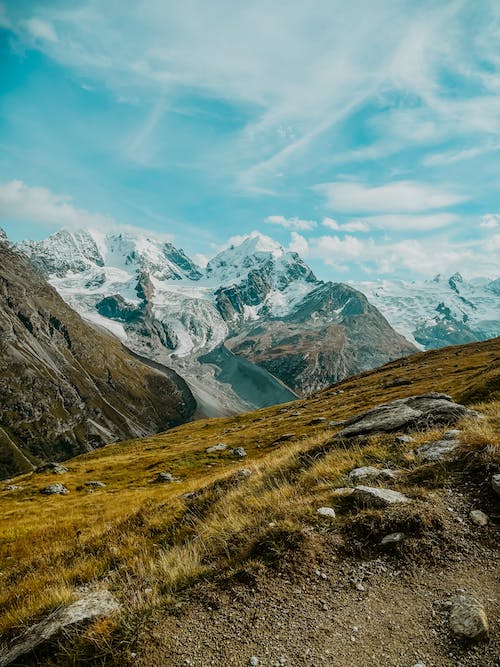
x,y
254,297
439,312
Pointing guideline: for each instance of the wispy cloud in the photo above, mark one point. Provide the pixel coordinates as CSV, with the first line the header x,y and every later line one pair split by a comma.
x,y
40,29
351,226
399,197
291,223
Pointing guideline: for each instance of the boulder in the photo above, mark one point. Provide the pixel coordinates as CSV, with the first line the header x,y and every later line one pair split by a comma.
x,y
406,414
375,497
164,478
53,489
239,452
94,605
468,617
326,511
479,518
53,467
439,450
219,447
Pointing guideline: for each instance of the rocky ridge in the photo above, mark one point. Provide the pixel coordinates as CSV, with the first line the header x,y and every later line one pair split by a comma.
x,y
66,386
259,301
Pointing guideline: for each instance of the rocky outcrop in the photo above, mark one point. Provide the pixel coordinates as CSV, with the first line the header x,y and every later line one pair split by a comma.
x,y
97,604
66,386
406,414
332,333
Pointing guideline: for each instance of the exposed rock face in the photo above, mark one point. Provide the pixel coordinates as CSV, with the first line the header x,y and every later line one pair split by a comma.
x,y
93,605
332,333
415,412
65,386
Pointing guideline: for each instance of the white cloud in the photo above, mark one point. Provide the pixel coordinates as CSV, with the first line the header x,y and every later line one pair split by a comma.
x,y
291,223
37,205
200,260
396,197
40,29
409,257
490,221
405,222
351,226
299,244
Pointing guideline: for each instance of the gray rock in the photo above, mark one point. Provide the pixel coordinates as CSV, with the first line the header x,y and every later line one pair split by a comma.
x,y
239,451
53,467
479,518
393,538
253,661
52,489
93,605
439,450
95,483
317,420
375,497
419,664
284,438
219,447
404,439
164,478
365,472
468,617
495,483
11,487
343,492
415,412
452,434
326,511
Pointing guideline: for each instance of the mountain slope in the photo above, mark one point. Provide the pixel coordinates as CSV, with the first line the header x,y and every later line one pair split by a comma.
x,y
438,312
242,552
332,333
67,386
254,297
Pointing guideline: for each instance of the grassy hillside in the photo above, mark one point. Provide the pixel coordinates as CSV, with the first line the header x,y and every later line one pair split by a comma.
x,y
151,544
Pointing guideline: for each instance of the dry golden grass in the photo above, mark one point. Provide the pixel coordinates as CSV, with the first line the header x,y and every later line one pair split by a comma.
x,y
147,541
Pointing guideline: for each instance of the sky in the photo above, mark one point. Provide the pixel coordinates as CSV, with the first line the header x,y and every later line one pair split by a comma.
x,y
363,134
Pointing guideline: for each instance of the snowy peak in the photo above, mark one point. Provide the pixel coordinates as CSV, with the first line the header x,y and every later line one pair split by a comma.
x,y
78,251
257,252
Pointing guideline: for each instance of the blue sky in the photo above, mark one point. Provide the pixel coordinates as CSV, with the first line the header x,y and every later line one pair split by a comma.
x,y
364,134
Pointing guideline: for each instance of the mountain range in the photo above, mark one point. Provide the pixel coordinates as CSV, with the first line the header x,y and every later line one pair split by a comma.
x,y
254,303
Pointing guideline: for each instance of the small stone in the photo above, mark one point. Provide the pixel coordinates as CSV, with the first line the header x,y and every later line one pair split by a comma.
x,y
317,420
419,664
468,617
359,586
326,511
11,487
479,518
95,483
376,497
254,660
54,489
219,447
452,434
239,451
164,478
393,538
495,483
